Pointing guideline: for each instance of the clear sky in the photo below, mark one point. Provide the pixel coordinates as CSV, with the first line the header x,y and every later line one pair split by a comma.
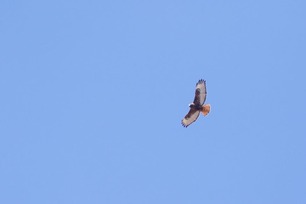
x,y
93,92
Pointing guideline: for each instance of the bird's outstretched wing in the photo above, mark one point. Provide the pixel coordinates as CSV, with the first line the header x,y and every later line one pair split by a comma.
x,y
191,116
200,92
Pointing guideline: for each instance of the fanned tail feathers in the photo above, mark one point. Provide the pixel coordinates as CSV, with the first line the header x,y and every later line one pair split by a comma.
x,y
205,109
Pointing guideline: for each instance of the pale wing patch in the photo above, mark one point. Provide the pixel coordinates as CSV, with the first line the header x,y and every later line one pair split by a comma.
x,y
201,86
190,118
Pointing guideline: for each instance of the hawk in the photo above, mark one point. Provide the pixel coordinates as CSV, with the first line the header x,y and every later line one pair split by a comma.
x,y
198,104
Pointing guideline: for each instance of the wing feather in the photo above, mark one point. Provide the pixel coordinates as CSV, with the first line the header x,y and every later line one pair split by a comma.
x,y
200,92
191,116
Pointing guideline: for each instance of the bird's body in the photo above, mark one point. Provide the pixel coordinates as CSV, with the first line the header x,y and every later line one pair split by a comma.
x,y
198,104
195,106
202,108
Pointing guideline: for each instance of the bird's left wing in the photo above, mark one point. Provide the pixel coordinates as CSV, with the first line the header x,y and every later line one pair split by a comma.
x,y
200,92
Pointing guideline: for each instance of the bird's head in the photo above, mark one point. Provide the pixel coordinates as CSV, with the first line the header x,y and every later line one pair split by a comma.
x,y
191,105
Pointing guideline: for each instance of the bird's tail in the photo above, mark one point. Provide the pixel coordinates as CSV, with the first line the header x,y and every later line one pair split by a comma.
x,y
205,109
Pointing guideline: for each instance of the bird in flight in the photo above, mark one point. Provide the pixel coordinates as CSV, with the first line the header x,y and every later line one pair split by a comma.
x,y
198,104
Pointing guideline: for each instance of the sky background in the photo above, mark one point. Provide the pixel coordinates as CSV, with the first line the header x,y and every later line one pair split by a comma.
x,y
93,93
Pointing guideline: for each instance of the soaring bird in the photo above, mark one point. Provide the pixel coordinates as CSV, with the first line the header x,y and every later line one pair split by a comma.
x,y
198,104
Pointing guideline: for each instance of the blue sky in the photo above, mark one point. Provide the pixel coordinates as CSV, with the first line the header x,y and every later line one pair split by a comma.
x,y
93,92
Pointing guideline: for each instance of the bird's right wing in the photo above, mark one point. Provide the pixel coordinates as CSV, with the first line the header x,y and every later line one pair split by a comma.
x,y
191,116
